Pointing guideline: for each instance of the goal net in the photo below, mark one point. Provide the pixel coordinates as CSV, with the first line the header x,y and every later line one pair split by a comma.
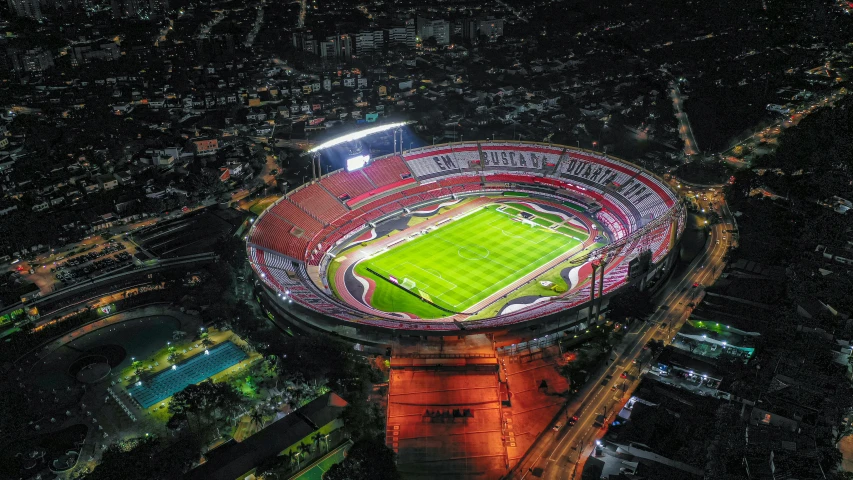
x,y
408,284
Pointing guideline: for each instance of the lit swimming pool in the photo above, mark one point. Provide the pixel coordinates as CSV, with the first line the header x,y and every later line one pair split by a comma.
x,y
189,372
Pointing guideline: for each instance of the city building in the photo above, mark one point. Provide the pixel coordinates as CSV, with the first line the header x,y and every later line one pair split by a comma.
x,y
205,146
336,46
26,8
369,41
490,27
29,61
97,50
433,28
304,40
402,34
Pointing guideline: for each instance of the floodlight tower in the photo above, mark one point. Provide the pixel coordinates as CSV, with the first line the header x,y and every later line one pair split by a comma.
x,y
594,266
316,172
602,263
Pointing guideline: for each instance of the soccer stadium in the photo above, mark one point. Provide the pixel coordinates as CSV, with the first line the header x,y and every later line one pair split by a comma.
x,y
467,236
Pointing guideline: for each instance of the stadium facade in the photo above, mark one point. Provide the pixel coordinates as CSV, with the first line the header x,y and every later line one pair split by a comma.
x,y
292,245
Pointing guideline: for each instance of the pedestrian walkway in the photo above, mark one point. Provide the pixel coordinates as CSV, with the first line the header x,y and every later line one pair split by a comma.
x,y
187,322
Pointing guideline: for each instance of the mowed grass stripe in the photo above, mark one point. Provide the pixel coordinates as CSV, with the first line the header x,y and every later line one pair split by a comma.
x,y
464,261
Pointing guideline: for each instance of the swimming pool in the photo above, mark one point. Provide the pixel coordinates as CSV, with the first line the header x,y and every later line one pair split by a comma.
x,y
189,372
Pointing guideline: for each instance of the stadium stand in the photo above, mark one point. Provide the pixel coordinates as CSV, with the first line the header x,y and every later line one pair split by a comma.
x,y
468,156
387,170
277,268
299,230
616,228
431,163
380,202
315,200
274,234
516,157
447,182
296,216
346,185
508,178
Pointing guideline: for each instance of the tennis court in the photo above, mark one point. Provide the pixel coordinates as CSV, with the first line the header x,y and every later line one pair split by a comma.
x,y
189,372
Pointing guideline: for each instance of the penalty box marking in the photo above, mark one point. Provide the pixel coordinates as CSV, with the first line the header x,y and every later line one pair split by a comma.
x,y
425,287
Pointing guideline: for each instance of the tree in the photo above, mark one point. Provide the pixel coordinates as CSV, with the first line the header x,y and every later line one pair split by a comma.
x,y
630,303
324,359
738,190
257,418
368,458
206,402
150,458
361,419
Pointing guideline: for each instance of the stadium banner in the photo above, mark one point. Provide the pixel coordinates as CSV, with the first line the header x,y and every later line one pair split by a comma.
x,y
393,279
425,296
106,310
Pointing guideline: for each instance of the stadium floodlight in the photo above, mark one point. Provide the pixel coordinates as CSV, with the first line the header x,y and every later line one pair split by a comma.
x,y
351,137
355,163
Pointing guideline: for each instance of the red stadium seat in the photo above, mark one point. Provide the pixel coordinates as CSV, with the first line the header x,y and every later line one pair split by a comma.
x,y
384,171
346,185
315,200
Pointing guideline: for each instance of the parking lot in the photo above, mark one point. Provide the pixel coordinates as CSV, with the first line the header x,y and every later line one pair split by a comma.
x,y
96,262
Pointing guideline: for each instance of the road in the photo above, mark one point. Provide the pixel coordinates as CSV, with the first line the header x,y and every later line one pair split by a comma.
x,y
204,30
259,22
767,135
684,128
515,12
303,9
561,455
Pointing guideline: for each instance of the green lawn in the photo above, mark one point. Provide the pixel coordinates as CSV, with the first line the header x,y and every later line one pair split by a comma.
x,y
461,263
317,471
262,204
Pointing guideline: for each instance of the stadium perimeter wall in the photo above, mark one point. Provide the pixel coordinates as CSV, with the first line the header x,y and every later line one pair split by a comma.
x,y
558,320
576,318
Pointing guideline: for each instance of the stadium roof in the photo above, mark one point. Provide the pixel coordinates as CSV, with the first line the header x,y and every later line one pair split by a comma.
x,y
350,137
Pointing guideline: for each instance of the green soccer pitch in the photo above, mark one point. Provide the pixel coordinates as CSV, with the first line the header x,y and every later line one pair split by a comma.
x,y
462,262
